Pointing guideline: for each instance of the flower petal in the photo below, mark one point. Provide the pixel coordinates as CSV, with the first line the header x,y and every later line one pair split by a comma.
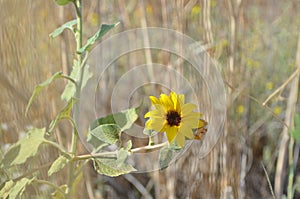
x,y
155,114
157,125
154,100
186,131
148,114
171,133
192,123
180,140
166,102
181,99
176,105
187,108
148,124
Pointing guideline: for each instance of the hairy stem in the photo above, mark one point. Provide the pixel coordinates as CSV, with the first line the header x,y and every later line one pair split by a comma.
x,y
78,36
113,153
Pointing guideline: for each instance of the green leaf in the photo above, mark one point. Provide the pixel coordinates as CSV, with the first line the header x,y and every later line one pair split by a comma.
x,y
63,2
5,191
39,87
64,113
165,157
58,164
68,25
19,187
296,132
70,89
122,153
95,142
111,167
100,33
128,145
108,133
123,119
86,76
58,195
24,148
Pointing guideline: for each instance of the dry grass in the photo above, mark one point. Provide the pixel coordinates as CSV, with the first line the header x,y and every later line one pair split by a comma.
x,y
254,42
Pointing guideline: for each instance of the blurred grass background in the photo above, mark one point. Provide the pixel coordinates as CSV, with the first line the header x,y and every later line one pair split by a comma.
x,y
255,42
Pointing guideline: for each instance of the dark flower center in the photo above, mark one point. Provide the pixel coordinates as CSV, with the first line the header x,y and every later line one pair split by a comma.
x,y
173,118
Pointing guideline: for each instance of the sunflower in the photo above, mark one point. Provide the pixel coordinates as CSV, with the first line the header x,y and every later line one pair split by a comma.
x,y
173,116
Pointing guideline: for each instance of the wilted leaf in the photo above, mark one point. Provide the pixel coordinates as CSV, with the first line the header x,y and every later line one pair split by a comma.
x,y
86,76
100,33
123,119
111,167
64,113
70,88
63,2
39,87
24,148
68,25
108,133
58,164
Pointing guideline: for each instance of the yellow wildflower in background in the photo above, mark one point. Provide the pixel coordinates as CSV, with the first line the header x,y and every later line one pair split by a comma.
x,y
277,110
94,19
269,85
173,116
149,9
240,109
196,10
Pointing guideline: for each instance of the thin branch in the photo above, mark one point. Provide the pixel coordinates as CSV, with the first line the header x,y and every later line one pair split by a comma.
x,y
157,146
54,144
282,86
138,186
268,179
51,185
259,103
113,153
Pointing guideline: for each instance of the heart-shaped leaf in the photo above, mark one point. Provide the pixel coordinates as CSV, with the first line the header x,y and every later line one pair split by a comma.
x,y
108,133
24,148
111,167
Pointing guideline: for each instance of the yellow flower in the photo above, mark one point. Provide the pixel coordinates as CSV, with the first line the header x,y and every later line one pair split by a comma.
x,y
277,110
196,10
173,116
269,85
240,109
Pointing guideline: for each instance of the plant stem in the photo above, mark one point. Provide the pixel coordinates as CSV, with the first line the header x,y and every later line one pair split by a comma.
x,y
78,36
290,192
105,154
54,144
51,185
